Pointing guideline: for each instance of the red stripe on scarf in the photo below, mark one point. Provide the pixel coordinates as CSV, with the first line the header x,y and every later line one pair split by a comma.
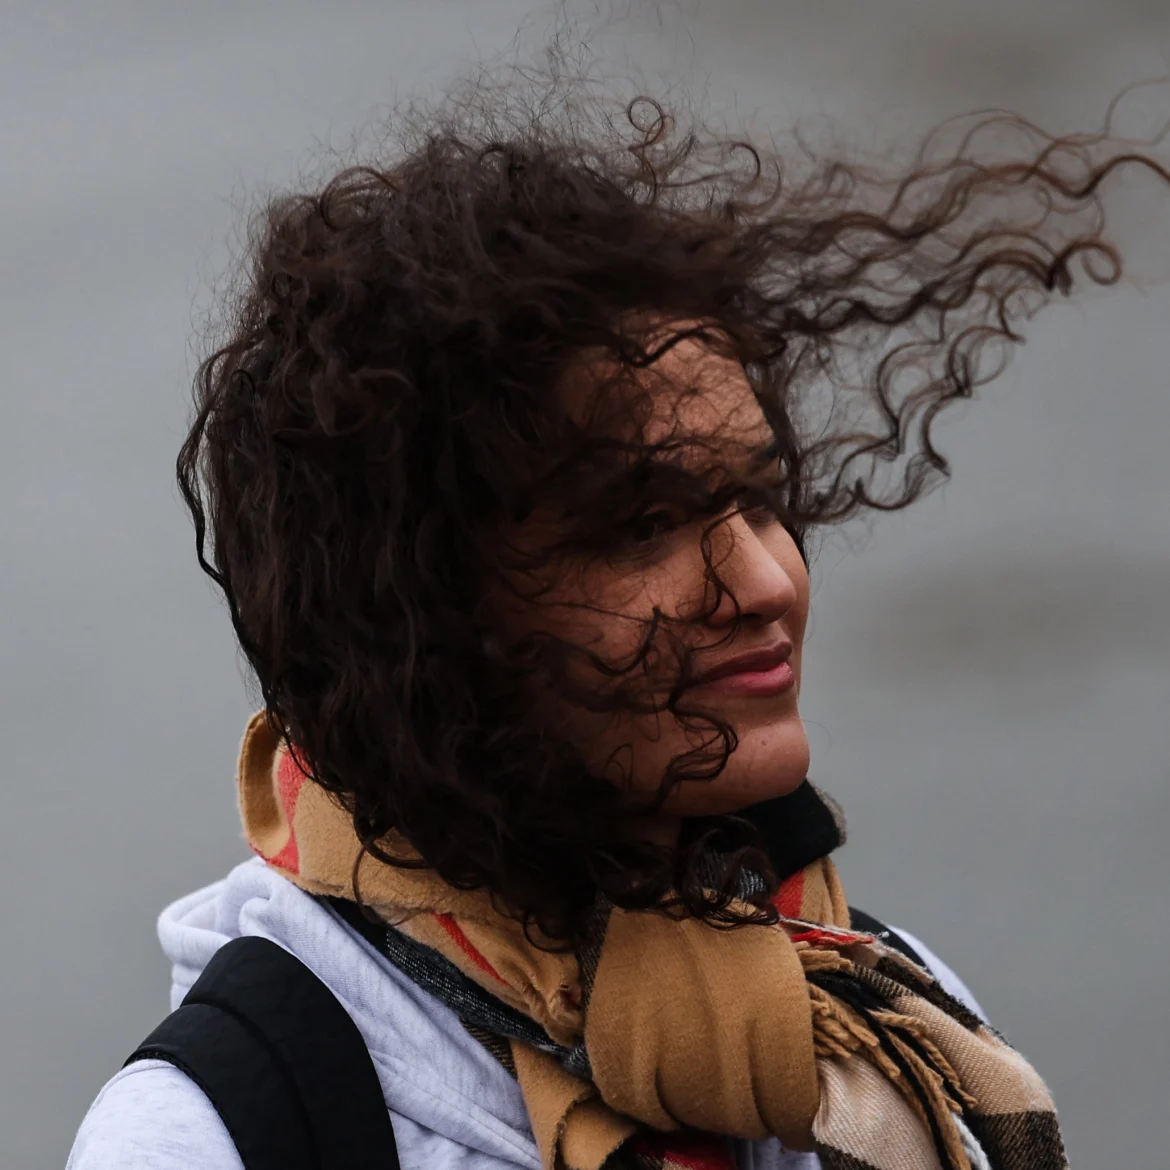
x,y
289,779
832,938
693,1152
712,1160
789,897
464,944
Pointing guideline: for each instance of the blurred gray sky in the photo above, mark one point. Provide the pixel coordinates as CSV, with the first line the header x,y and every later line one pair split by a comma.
x,y
988,675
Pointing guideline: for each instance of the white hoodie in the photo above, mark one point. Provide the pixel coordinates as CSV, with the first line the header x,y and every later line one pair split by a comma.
x,y
452,1105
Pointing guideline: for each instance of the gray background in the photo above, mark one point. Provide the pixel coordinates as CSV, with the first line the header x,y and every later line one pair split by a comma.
x,y
988,684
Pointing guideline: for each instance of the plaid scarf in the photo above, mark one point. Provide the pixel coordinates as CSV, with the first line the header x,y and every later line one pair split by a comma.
x,y
653,1046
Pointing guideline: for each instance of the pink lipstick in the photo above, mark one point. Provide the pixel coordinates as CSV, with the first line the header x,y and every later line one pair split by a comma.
x,y
756,672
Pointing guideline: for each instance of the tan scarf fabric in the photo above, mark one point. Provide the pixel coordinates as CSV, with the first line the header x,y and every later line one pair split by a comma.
x,y
808,1031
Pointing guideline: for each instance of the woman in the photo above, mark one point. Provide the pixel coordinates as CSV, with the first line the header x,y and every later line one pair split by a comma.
x,y
508,468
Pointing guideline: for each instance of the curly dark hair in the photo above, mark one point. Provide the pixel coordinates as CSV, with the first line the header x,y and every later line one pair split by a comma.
x,y
385,405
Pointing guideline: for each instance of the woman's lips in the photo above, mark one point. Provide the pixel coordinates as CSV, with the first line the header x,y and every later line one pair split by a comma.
x,y
756,682
760,672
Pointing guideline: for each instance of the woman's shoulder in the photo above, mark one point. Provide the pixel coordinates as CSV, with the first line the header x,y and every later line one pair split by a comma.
x,y
450,1101
151,1115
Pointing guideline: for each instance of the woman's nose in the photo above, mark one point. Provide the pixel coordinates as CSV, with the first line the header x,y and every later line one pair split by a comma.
x,y
754,582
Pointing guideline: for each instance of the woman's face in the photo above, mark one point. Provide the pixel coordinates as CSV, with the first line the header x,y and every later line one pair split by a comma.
x,y
746,662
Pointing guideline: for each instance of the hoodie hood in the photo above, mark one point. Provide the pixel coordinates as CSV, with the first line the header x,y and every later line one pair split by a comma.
x,y
432,1071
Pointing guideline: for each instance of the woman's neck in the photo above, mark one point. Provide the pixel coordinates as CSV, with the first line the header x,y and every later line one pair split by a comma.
x,y
659,829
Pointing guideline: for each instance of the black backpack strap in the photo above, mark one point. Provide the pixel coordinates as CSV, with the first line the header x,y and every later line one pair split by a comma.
x,y
859,920
282,1062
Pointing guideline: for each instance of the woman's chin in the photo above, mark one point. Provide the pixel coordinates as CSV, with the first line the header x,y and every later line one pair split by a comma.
x,y
768,762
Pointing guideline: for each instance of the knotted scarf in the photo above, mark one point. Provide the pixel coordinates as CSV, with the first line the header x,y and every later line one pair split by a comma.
x,y
666,1036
